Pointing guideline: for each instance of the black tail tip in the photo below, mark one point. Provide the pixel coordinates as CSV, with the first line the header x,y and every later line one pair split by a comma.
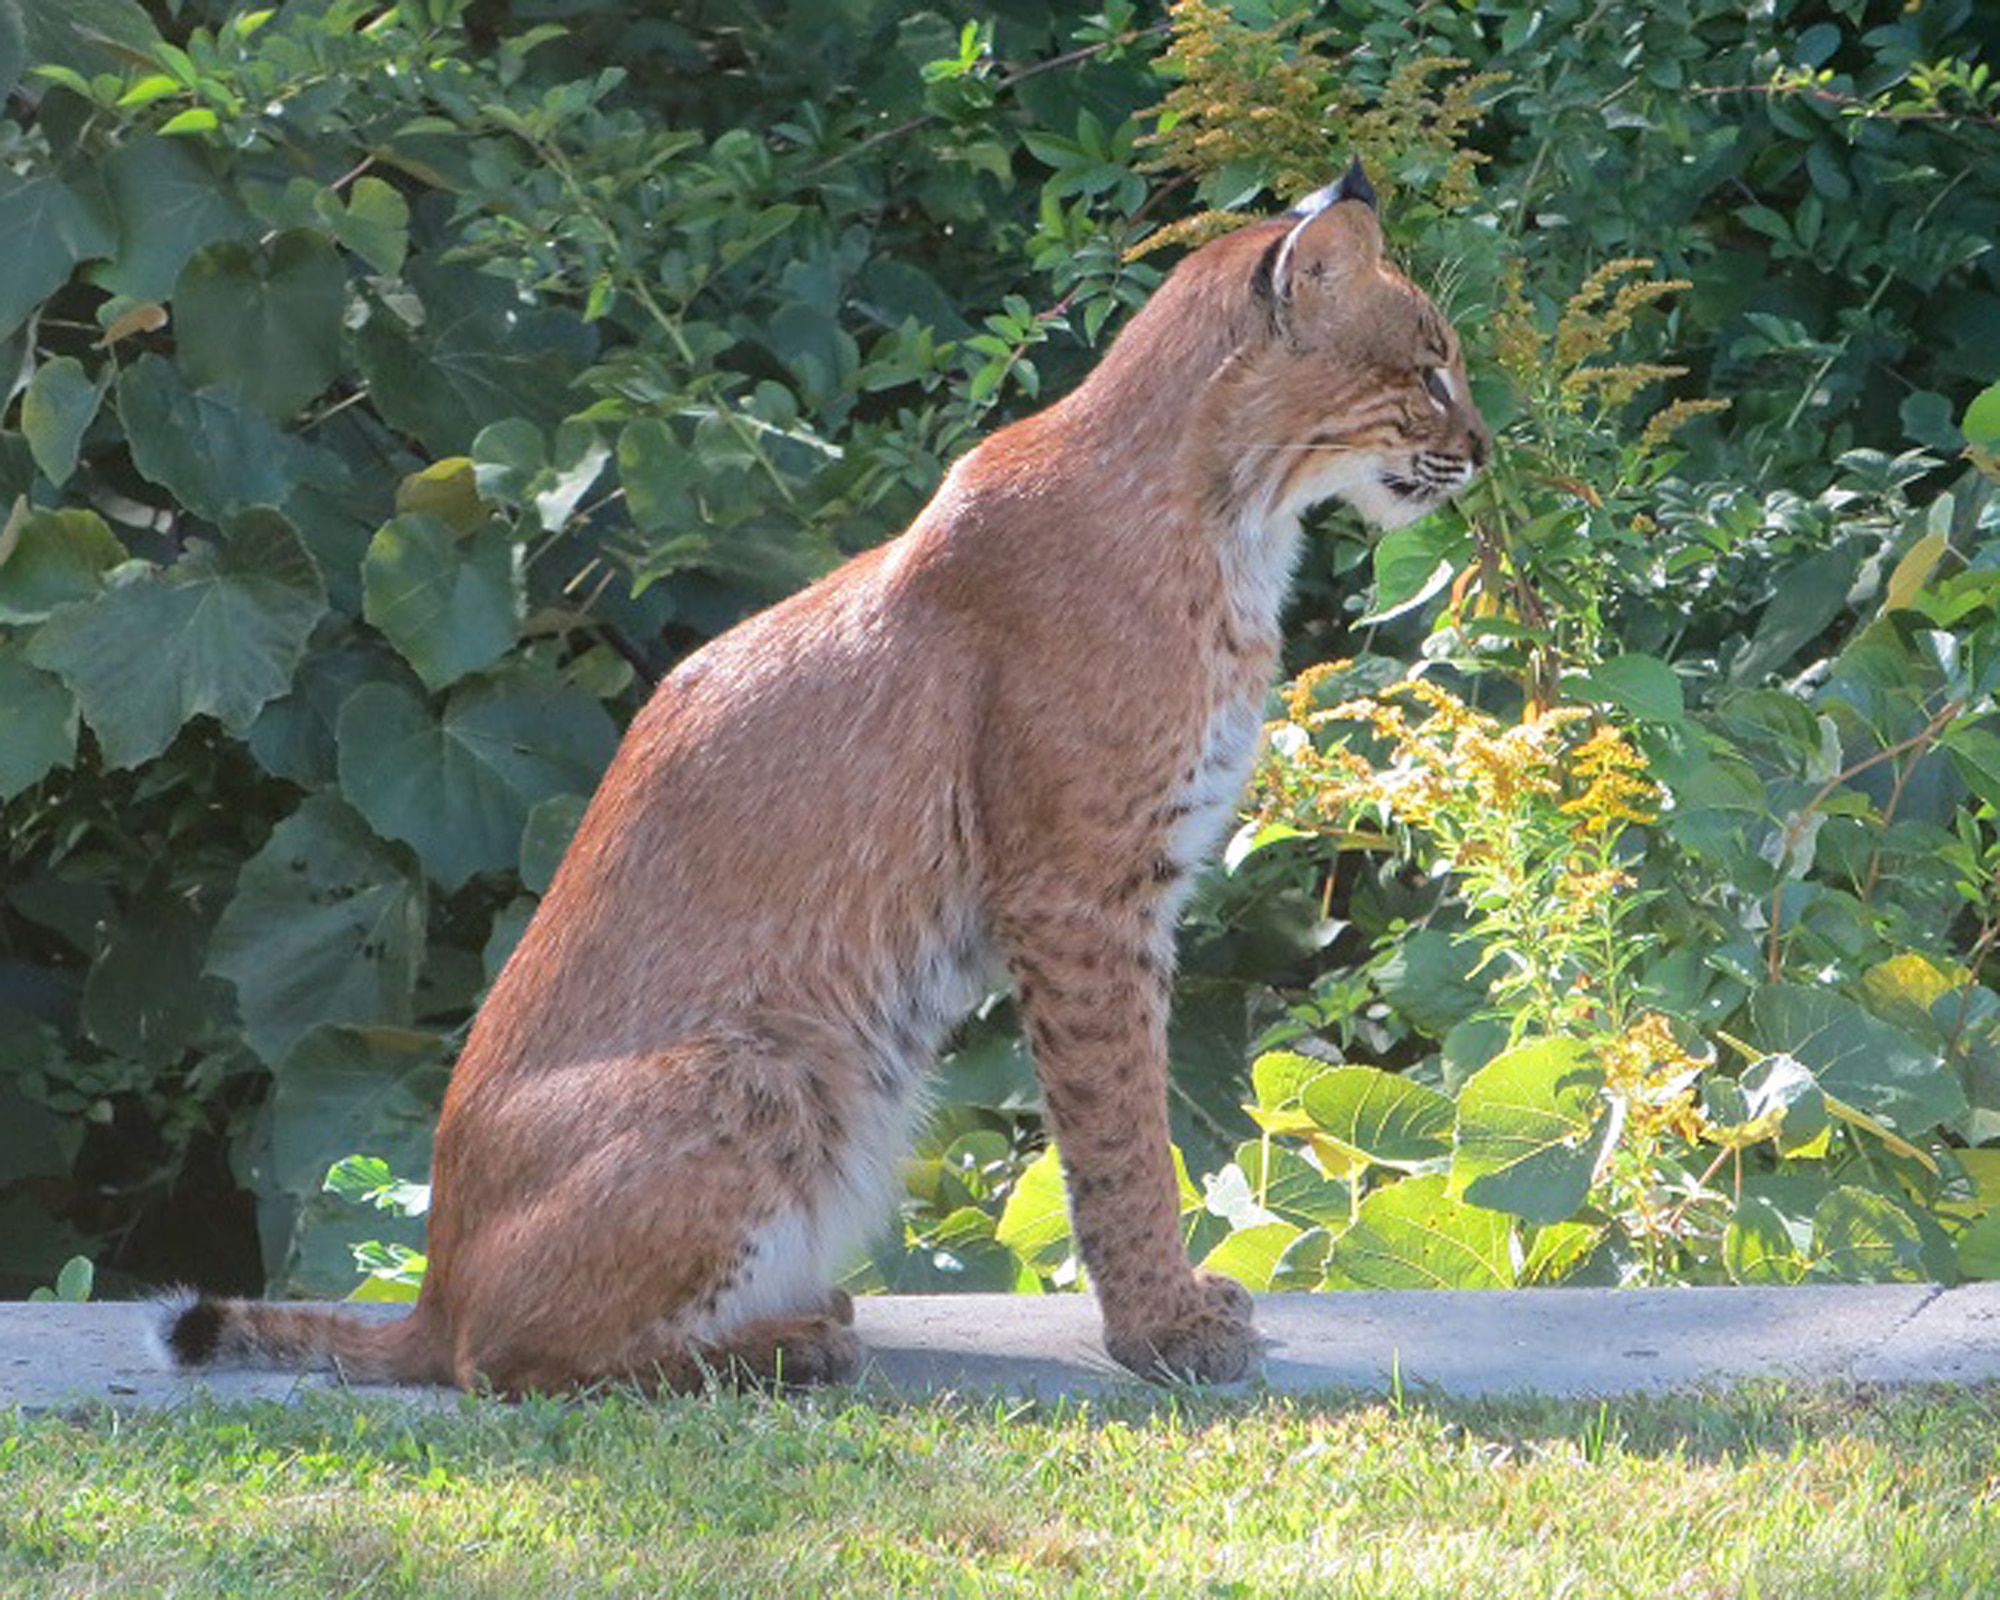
x,y
193,1333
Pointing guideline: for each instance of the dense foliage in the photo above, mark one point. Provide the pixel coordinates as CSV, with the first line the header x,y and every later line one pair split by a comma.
x,y
395,390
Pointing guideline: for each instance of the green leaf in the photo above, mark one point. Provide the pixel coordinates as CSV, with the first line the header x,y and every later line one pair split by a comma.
x,y
343,1089
1251,1255
1862,1237
459,788
59,405
218,634
1758,1247
1279,1077
1641,686
37,723
1975,753
447,490
1982,418
1857,1058
293,736
1979,1247
374,224
169,201
1389,1119
480,357
1531,1130
1428,978
1414,1235
327,925
545,840
53,558
1413,565
1289,1186
89,36
1035,1222
13,46
450,605
263,320
143,999
209,448
49,227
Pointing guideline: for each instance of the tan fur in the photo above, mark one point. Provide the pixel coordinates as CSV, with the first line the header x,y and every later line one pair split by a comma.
x,y
998,745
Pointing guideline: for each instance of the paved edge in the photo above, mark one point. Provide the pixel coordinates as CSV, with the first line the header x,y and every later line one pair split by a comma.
x,y
1557,1342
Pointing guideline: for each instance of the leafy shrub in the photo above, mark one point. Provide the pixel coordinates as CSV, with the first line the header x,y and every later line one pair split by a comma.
x,y
402,387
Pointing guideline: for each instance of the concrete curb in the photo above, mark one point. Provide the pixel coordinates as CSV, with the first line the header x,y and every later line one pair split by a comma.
x,y
1564,1342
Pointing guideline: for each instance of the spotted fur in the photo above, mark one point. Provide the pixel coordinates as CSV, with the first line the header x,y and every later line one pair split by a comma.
x,y
998,746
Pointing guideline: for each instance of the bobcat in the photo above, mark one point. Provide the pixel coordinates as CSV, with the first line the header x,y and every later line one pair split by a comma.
x,y
999,745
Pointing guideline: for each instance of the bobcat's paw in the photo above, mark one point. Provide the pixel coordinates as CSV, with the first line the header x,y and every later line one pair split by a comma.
x,y
1215,1342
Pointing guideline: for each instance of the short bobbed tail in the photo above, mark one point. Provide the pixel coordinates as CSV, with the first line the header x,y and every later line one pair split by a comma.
x,y
197,1332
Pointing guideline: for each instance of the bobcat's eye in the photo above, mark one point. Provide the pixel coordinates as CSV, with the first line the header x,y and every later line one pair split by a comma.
x,y
1437,384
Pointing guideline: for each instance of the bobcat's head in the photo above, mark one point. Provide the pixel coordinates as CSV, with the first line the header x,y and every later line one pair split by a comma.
x,y
1349,385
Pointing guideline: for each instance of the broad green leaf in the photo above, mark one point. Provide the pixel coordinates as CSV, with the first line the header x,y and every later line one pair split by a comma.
x,y
263,320
451,605
1386,1118
59,405
326,926
479,357
343,1089
1914,571
459,787
1808,598
209,448
37,723
1559,1250
1979,1247
1251,1255
545,840
1279,1077
1863,1237
217,634
659,475
1428,979
1982,417
89,36
1412,566
143,999
1640,686
447,490
294,736
48,227
1289,1186
1759,1247
13,46
169,201
1255,836
1035,1222
1975,753
53,558
1413,1235
374,224
1531,1130
1857,1058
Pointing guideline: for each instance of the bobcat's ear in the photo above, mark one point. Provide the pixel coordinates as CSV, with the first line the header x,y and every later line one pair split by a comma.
x,y
1336,234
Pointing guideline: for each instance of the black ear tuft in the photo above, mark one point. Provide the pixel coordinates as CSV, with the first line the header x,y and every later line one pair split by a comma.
x,y
195,1333
1352,184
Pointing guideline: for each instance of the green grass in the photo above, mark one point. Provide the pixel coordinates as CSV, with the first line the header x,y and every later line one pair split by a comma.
x,y
1764,1492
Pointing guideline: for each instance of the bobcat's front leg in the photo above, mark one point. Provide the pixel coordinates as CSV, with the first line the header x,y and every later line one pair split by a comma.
x,y
1093,995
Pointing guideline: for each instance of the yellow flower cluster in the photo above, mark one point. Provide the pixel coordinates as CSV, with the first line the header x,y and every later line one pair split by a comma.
x,y
1655,1075
1616,789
